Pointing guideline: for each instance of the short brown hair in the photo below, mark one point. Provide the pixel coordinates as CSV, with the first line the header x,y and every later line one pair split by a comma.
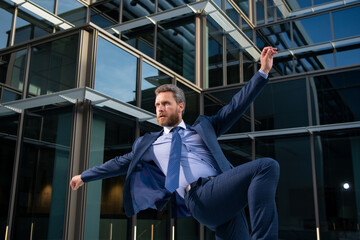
x,y
177,92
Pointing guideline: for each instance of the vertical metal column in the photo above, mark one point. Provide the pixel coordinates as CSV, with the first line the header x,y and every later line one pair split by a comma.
x,y
12,199
80,142
313,163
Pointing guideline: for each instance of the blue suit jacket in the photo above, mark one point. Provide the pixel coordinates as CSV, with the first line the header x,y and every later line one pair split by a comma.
x,y
144,184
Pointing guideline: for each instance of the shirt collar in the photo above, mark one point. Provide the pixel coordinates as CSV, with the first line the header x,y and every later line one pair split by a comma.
x,y
168,129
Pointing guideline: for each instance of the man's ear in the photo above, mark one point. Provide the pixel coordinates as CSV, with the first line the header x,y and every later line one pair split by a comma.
x,y
182,106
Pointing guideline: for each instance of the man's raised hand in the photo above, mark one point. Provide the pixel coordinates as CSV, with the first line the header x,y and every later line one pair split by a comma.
x,y
266,58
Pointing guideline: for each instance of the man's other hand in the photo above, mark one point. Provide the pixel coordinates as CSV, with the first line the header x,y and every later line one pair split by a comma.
x,y
266,58
76,182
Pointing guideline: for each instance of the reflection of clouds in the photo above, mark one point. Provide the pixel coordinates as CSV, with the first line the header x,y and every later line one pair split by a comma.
x,y
118,81
115,71
147,71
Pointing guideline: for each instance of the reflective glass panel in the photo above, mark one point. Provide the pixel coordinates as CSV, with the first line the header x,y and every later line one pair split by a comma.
x,y
187,228
299,4
214,54
346,23
214,101
232,61
317,2
141,38
306,32
6,14
152,224
260,17
12,69
133,9
72,11
30,26
338,180
244,6
176,46
43,174
101,20
218,3
112,134
314,60
151,79
281,105
272,11
8,137
348,55
237,151
295,194
278,36
166,4
247,29
232,13
115,72
283,66
46,4
192,98
53,66
106,14
248,66
9,96
335,98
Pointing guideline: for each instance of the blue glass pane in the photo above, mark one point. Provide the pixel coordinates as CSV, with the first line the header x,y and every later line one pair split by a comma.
x,y
115,72
133,9
232,13
46,4
295,194
100,20
346,23
260,17
166,4
347,57
68,5
307,33
9,96
151,79
317,2
337,175
214,54
30,26
213,102
282,105
53,66
244,6
335,98
72,11
12,69
176,46
299,4
5,26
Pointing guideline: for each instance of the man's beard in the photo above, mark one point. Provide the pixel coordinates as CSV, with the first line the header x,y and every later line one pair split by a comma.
x,y
170,121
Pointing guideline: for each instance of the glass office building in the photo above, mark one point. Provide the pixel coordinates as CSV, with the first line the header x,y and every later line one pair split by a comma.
x,y
77,80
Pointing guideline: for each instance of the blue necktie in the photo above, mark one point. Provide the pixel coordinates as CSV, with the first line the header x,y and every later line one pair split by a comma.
x,y
172,175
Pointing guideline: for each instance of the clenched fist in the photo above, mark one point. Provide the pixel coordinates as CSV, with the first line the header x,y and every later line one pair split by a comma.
x,y
76,182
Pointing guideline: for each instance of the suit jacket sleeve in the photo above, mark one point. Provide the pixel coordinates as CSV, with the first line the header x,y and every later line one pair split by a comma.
x,y
230,114
114,167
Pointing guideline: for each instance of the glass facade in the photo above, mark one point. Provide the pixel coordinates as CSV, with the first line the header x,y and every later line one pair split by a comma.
x,y
307,117
42,174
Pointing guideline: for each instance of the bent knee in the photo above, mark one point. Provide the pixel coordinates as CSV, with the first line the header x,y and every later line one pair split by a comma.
x,y
271,165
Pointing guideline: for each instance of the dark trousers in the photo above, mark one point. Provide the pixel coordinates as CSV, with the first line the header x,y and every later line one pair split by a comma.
x,y
219,203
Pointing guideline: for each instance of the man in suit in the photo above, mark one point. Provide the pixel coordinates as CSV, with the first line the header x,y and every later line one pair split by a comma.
x,y
187,162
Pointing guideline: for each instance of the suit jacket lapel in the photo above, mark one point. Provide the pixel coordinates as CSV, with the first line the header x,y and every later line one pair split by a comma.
x,y
145,143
